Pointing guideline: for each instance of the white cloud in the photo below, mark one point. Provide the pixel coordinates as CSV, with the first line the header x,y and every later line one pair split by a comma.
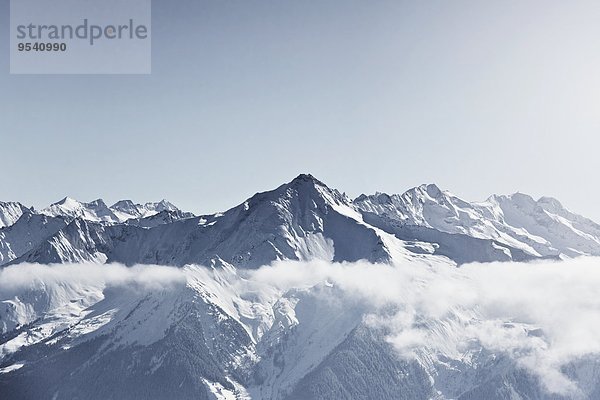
x,y
542,315
23,276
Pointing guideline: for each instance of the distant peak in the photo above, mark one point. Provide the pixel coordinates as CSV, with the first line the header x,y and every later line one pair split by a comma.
x,y
430,189
378,197
69,202
383,197
98,203
522,197
362,197
123,203
427,189
165,205
66,201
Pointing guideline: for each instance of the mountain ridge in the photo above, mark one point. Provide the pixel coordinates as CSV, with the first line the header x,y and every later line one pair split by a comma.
x,y
305,219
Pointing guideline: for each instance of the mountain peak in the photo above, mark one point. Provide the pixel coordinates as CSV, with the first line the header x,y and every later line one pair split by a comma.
x,y
98,203
308,185
165,205
383,197
521,200
123,204
306,178
66,201
70,203
426,190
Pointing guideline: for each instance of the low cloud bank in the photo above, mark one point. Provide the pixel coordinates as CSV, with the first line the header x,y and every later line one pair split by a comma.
x,y
542,315
18,278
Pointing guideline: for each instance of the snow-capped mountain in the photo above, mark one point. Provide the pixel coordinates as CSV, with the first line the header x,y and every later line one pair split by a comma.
x,y
68,225
127,209
305,219
70,208
364,300
538,228
301,220
544,221
120,212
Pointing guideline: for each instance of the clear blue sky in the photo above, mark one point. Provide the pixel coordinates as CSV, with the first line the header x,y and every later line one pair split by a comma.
x,y
478,97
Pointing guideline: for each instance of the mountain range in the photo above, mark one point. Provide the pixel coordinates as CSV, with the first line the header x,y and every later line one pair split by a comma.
x,y
217,332
301,220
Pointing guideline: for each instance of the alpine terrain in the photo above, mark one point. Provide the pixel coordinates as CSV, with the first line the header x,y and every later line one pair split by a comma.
x,y
297,293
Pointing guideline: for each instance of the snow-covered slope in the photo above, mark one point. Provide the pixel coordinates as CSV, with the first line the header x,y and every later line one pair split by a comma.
x,y
70,208
545,225
542,228
27,233
10,212
91,330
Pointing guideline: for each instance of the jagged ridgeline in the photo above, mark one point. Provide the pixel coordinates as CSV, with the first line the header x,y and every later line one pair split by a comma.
x,y
300,220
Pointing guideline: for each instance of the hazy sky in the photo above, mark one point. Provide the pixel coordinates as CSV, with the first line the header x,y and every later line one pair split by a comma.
x,y
479,97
